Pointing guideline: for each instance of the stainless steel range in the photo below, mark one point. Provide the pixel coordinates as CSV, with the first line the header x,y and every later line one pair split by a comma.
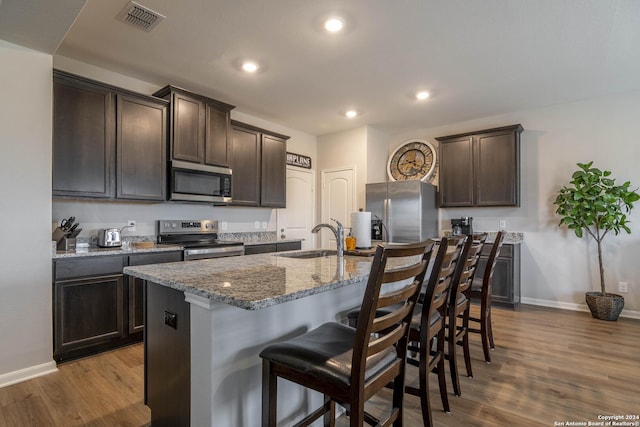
x,y
199,238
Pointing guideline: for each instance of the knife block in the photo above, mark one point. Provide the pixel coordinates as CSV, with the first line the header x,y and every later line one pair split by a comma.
x,y
67,244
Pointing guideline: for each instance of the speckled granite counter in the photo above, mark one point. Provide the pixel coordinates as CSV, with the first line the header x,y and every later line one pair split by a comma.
x,y
511,237
257,281
95,251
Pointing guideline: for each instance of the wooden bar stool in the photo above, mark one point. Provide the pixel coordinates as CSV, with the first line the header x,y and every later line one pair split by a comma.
x,y
483,294
459,305
349,365
427,336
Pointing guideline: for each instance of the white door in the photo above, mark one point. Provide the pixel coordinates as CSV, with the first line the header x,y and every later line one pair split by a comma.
x,y
297,220
338,200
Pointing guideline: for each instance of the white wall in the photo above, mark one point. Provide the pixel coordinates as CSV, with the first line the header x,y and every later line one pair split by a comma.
x,y
557,267
25,174
96,214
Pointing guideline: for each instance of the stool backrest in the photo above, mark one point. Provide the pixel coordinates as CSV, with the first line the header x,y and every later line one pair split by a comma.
x,y
441,278
469,258
394,284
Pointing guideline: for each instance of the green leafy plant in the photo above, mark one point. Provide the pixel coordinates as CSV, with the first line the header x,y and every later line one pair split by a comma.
x,y
594,204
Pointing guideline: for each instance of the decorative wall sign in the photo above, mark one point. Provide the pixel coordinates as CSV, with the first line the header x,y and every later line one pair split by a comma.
x,y
299,160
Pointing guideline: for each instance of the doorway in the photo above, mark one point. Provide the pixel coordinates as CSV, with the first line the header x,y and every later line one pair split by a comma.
x,y
298,218
338,200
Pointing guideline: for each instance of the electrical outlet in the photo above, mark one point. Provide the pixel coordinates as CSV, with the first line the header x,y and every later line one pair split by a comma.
x,y
131,224
223,225
264,225
503,224
256,225
623,287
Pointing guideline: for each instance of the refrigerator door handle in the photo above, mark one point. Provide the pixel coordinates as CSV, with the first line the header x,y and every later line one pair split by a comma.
x,y
387,210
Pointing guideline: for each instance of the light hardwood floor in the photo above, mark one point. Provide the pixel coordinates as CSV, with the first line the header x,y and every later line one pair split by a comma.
x,y
550,366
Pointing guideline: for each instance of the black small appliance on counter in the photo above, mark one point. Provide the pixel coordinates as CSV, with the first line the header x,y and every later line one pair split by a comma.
x,y
462,225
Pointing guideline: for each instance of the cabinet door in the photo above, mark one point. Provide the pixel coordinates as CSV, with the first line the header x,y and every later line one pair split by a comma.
x,y
456,172
273,183
188,128
245,186
141,146
217,137
497,161
505,285
136,305
135,291
83,139
87,312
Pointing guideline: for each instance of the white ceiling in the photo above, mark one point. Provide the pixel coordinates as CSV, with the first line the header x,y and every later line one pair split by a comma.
x,y
476,57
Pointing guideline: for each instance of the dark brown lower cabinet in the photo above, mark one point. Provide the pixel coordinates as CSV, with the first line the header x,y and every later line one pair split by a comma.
x,y
89,314
135,286
506,275
95,306
272,247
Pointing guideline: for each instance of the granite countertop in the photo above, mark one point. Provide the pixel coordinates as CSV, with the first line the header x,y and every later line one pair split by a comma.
x,y
132,249
257,281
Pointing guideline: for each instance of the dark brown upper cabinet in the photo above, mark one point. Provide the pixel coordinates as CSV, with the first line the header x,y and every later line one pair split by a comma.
x,y
92,122
259,167
83,138
141,148
480,168
199,127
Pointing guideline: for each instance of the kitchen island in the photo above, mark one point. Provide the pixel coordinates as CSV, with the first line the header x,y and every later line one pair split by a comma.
x,y
206,322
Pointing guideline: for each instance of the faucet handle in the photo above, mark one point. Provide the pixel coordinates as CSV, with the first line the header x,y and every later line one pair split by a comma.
x,y
336,221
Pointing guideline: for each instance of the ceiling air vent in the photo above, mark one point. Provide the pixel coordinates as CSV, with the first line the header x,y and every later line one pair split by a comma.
x,y
140,17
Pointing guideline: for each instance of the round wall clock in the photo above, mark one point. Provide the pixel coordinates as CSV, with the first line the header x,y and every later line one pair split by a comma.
x,y
412,160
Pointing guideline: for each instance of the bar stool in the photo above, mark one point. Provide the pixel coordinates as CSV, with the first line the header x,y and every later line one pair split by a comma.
x,y
428,325
459,305
483,294
349,365
427,335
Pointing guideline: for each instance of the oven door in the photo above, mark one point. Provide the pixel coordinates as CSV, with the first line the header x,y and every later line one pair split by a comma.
x,y
194,182
191,254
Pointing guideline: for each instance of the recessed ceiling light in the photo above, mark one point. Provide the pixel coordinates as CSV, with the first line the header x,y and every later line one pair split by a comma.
x,y
351,114
422,95
250,67
333,25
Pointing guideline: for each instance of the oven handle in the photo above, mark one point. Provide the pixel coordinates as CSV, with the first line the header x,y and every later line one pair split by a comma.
x,y
203,253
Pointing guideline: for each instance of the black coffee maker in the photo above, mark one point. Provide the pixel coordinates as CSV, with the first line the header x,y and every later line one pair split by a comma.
x,y
461,225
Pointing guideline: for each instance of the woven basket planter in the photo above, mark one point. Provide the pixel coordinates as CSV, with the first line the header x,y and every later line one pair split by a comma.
x,y
604,306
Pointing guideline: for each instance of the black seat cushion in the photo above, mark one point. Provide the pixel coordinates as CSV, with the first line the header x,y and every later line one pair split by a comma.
x,y
326,353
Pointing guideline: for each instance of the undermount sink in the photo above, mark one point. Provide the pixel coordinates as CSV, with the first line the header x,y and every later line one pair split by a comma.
x,y
317,253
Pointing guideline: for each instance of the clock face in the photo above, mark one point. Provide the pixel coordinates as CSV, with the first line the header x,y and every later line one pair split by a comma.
x,y
410,161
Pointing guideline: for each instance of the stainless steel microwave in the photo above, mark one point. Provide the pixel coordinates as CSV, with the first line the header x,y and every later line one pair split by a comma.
x,y
193,182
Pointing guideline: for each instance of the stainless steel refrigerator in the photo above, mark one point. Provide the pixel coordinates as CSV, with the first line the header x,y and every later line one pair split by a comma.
x,y
407,210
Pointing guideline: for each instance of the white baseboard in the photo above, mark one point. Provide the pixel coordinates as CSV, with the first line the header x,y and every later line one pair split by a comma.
x,y
27,373
631,314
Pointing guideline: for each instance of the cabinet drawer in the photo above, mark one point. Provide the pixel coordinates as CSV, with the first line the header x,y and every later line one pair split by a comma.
x,y
155,258
259,249
90,266
289,246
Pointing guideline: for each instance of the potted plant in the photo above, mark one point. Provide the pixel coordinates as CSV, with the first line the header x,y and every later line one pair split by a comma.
x,y
595,205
